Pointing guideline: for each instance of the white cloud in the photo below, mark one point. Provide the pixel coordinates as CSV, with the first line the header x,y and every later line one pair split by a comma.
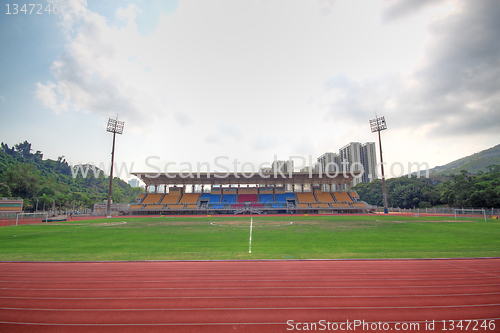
x,y
96,73
279,77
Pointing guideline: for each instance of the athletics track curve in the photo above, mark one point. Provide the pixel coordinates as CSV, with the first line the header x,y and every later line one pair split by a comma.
x,y
246,296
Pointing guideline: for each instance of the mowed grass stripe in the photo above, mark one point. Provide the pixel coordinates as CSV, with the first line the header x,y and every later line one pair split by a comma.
x,y
277,237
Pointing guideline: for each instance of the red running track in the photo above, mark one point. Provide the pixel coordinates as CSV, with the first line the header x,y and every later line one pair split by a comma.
x,y
249,296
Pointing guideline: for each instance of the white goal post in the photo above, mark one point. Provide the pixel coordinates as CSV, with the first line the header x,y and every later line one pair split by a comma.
x,y
44,217
460,213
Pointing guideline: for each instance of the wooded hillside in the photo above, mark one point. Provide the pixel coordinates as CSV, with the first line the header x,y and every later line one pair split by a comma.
x,y
26,175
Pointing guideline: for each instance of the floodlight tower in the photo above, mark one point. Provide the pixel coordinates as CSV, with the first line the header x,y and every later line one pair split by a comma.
x,y
377,125
115,127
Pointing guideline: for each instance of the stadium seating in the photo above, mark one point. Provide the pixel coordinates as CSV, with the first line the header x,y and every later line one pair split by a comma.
x,y
324,197
175,206
214,199
141,196
238,198
307,197
320,205
282,197
228,198
342,197
247,198
153,207
152,198
217,206
340,205
170,199
190,198
266,198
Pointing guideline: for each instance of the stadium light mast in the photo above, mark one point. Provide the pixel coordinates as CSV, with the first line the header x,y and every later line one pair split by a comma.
x,y
115,127
377,125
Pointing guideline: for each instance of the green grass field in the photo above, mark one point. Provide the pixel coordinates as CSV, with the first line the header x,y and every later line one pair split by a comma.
x,y
223,238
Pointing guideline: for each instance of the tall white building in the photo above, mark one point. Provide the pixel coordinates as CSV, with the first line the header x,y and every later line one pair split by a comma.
x,y
283,166
329,162
369,161
353,157
350,159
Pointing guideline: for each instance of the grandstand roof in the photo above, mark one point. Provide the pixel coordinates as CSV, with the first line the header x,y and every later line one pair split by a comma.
x,y
238,178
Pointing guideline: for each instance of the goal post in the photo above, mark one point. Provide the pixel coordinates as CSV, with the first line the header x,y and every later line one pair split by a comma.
x,y
30,218
461,213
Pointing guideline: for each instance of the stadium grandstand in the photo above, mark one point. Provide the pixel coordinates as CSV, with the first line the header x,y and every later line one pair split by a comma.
x,y
234,193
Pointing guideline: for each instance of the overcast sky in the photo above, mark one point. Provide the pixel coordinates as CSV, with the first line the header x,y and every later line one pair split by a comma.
x,y
250,79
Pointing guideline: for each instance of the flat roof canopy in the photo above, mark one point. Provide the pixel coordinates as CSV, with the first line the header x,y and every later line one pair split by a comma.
x,y
267,179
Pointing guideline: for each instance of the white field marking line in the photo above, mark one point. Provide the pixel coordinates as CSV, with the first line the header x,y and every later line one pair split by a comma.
x,y
250,243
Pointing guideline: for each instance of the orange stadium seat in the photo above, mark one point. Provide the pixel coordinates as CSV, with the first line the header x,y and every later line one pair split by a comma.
x,y
173,196
307,197
190,198
152,198
320,205
340,205
342,197
175,206
153,207
324,197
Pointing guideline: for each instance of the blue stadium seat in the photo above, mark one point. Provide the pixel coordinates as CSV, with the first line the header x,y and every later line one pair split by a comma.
x,y
266,198
229,198
214,198
217,206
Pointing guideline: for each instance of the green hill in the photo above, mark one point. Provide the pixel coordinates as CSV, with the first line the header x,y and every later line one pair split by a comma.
x,y
28,176
473,163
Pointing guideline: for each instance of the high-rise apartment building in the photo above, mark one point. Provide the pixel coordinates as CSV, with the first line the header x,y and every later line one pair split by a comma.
x,y
352,157
369,161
